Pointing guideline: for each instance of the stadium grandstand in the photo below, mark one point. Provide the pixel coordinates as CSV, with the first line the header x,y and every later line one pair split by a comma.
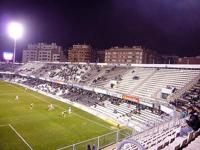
x,y
149,106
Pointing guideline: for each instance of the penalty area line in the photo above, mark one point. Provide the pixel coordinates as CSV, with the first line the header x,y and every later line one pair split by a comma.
x,y
20,136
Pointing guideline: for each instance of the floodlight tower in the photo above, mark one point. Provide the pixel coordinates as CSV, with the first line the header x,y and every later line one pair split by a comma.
x,y
15,31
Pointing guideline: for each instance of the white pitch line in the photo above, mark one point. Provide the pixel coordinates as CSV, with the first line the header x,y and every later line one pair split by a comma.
x,y
64,109
20,137
72,112
63,147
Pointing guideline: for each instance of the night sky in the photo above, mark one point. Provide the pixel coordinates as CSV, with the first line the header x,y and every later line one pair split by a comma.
x,y
167,26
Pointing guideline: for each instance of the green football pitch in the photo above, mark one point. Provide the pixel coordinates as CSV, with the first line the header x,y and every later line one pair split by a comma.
x,y
40,129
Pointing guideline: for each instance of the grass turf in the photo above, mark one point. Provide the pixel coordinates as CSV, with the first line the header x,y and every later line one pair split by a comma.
x,y
41,128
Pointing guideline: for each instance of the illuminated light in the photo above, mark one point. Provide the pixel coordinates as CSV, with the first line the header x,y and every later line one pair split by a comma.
x,y
7,56
15,30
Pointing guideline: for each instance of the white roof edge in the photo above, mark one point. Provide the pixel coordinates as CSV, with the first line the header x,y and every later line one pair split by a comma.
x,y
184,66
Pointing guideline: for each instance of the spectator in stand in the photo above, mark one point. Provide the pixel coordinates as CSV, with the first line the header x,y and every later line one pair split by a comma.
x,y
193,121
183,114
94,147
89,147
191,124
197,108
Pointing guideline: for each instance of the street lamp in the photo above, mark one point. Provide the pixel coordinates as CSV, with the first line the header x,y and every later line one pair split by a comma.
x,y
15,31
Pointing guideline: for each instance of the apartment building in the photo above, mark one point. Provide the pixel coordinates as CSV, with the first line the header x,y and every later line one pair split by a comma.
x,y
135,54
43,52
81,53
189,60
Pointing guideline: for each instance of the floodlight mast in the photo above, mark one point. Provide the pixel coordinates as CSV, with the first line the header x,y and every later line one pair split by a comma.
x,y
15,31
14,49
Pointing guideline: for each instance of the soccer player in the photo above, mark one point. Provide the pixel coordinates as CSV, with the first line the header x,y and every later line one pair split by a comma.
x,y
50,107
17,98
31,106
26,89
69,110
63,114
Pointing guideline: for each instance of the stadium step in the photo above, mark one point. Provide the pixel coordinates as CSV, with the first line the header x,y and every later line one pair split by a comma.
x,y
194,145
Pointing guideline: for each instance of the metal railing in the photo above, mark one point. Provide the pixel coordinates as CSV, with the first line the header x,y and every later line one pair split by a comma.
x,y
123,134
101,141
120,135
175,122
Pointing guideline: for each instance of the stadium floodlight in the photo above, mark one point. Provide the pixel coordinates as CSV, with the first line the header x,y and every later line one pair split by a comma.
x,y
7,56
15,31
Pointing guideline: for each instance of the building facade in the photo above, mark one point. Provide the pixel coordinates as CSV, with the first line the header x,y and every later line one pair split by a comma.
x,y
135,54
81,53
100,56
43,52
189,60
169,59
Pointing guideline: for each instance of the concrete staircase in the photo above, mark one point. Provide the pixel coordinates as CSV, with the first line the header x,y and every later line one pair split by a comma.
x,y
144,80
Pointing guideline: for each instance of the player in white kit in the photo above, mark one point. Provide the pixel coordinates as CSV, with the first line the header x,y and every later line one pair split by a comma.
x,y
17,98
69,110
